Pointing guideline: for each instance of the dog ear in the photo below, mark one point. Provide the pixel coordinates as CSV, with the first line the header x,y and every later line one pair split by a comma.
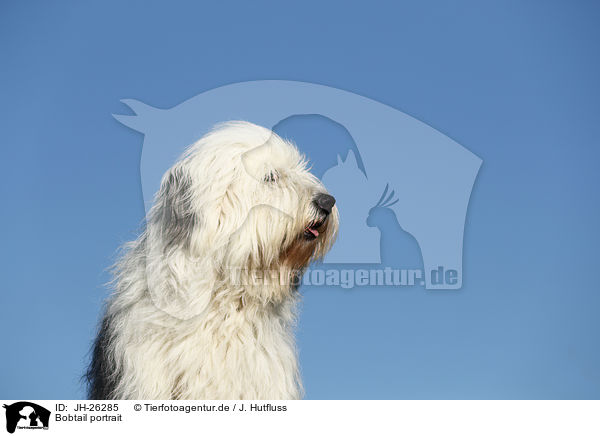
x,y
178,280
173,211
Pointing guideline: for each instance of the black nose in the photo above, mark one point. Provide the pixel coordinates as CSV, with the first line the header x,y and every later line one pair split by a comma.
x,y
325,202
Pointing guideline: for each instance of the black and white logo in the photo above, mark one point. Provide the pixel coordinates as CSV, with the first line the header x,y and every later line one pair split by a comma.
x,y
26,415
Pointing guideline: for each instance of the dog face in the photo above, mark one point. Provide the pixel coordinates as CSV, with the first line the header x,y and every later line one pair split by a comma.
x,y
290,218
240,199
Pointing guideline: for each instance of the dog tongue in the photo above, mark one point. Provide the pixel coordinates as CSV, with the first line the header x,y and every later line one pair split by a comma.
x,y
314,232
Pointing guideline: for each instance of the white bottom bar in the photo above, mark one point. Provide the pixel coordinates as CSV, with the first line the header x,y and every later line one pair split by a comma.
x,y
283,418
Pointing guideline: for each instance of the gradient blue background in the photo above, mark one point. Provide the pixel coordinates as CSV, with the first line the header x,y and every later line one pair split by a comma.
x,y
516,83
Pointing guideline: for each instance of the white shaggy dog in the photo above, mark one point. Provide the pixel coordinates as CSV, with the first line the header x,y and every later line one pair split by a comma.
x,y
204,301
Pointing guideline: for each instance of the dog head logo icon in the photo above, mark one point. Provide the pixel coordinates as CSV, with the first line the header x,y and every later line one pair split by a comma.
x,y
26,415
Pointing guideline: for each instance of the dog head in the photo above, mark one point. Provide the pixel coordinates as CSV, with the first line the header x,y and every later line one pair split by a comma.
x,y
240,203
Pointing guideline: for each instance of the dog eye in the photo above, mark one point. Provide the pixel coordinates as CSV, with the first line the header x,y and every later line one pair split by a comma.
x,y
271,177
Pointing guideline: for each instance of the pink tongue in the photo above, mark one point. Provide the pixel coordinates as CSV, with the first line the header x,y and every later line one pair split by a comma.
x,y
314,232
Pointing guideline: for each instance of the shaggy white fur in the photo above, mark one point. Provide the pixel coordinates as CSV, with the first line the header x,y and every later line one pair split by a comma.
x,y
204,302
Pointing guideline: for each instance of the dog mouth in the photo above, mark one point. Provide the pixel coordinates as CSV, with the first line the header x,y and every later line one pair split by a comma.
x,y
314,229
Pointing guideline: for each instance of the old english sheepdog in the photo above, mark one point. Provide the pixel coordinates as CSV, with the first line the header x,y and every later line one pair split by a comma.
x,y
204,300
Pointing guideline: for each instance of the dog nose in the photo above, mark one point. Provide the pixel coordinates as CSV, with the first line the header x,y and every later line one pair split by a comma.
x,y
325,202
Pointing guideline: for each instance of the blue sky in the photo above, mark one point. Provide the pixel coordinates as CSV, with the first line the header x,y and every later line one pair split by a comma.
x,y
516,83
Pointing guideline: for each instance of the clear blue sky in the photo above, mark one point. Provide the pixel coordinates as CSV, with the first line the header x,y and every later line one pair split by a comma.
x,y
515,82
